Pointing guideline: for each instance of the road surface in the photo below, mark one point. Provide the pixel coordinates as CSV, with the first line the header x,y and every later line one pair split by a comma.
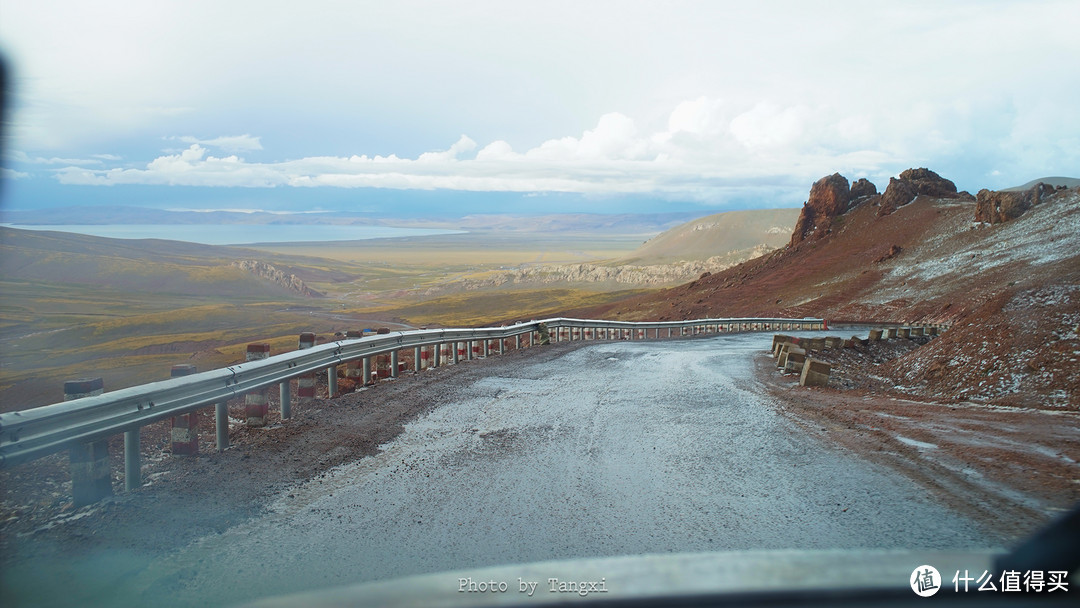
x,y
610,449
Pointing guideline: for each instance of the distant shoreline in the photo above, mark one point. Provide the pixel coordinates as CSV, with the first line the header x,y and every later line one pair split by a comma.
x,y
237,234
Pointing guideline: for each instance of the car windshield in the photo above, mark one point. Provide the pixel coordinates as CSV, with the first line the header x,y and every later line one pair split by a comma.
x,y
424,302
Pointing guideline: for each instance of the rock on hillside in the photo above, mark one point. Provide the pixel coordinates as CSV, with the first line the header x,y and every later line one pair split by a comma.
x,y
267,271
997,207
1011,291
912,183
829,197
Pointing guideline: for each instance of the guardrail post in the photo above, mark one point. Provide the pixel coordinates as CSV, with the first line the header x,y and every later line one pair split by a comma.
x,y
354,368
365,370
184,434
132,469
393,364
331,382
417,351
305,384
285,392
91,475
221,424
256,404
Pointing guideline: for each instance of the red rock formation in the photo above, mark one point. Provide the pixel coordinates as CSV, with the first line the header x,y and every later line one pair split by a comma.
x,y
912,183
995,207
862,188
829,197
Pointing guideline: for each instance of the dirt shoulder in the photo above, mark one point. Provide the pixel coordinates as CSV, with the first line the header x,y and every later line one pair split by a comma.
x,y
1011,469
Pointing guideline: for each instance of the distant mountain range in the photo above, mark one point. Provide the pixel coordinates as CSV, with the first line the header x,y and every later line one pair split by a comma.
x,y
1068,182
624,223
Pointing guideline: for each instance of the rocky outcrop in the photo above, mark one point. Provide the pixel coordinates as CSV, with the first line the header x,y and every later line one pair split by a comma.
x,y
912,183
994,207
862,188
266,271
829,197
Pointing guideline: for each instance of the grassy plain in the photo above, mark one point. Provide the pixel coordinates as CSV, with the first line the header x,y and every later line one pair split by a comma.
x,y
127,311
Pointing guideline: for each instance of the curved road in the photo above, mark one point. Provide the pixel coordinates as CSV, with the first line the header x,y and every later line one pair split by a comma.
x,y
610,449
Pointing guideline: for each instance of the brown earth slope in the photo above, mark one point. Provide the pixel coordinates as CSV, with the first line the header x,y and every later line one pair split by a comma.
x,y
1010,291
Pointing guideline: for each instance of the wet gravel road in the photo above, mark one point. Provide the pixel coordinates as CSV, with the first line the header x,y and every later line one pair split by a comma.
x,y
609,449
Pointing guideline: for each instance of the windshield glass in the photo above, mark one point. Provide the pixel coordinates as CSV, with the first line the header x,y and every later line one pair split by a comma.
x,y
540,299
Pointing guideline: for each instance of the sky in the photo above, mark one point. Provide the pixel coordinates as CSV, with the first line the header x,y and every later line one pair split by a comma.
x,y
451,108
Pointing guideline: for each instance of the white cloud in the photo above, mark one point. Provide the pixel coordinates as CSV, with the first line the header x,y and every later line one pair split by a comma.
x,y
740,90
768,125
710,149
12,174
462,145
228,143
22,157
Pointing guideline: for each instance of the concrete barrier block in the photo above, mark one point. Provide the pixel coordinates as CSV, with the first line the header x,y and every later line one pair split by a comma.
x,y
875,335
890,332
815,344
815,373
91,475
779,339
83,387
794,362
834,342
904,332
256,403
786,350
184,433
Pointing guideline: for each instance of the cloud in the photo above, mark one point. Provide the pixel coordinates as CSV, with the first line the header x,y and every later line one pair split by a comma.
x,y
706,149
22,157
228,143
12,174
462,145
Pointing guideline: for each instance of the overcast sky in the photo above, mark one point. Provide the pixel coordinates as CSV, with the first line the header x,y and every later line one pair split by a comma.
x,y
587,105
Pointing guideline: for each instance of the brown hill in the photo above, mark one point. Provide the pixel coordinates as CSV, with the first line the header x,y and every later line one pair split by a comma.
x,y
717,235
149,265
1011,291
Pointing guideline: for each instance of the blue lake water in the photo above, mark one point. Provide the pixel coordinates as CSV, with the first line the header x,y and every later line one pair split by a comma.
x,y
238,234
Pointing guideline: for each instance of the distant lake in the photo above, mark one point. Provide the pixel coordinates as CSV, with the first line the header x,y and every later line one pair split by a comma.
x,y
238,234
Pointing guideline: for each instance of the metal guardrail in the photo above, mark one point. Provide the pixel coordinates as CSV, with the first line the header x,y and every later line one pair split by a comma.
x,y
30,434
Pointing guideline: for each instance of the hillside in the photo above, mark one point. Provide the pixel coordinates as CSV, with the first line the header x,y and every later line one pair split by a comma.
x,y
717,235
915,253
706,244
151,265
